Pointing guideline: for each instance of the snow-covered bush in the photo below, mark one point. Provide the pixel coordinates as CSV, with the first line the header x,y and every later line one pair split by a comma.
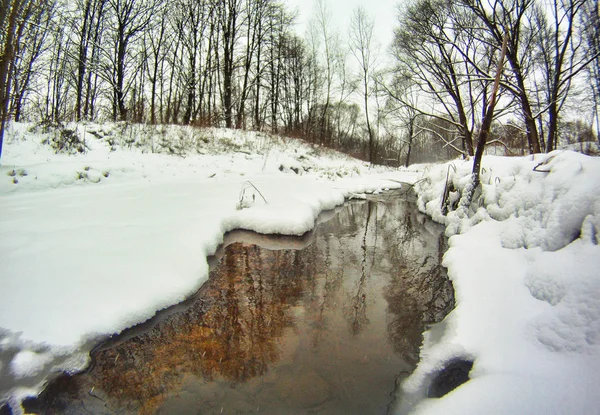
x,y
65,140
548,205
524,261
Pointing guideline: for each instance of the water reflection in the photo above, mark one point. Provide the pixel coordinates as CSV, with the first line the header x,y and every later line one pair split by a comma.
x,y
325,328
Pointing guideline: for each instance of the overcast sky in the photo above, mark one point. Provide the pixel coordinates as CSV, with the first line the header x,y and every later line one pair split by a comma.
x,y
384,12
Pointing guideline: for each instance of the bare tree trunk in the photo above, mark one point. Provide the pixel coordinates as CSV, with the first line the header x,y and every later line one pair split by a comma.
x,y
229,10
254,17
360,42
411,134
7,57
257,123
157,62
552,127
512,17
92,76
120,72
486,124
82,59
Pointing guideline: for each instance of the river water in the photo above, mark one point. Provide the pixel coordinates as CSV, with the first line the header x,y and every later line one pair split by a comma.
x,y
324,323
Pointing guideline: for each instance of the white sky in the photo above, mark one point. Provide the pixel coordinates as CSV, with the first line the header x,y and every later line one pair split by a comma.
x,y
384,13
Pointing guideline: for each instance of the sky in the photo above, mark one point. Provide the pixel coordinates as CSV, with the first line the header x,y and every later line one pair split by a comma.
x,y
384,12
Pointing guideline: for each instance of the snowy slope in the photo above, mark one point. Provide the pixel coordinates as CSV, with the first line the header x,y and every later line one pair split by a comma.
x,y
93,243
525,264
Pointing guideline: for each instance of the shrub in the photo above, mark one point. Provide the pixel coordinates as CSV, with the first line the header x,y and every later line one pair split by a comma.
x,y
66,140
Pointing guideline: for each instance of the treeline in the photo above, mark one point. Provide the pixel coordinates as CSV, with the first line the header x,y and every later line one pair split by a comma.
x,y
240,64
231,63
205,62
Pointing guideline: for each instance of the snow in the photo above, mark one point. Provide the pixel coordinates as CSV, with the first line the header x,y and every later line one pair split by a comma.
x,y
28,363
525,265
91,244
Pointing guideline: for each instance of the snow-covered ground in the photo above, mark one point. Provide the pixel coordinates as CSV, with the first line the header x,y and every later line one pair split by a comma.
x,y
92,243
525,264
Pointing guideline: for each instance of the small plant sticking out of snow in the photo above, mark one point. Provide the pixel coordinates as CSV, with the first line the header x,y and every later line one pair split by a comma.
x,y
248,196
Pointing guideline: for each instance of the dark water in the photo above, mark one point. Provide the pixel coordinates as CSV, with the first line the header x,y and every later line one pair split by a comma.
x,y
319,324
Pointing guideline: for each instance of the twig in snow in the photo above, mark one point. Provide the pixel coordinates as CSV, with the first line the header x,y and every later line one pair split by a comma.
x,y
240,204
255,188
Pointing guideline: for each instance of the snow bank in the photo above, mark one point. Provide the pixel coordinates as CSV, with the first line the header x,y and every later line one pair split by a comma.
x,y
525,265
93,243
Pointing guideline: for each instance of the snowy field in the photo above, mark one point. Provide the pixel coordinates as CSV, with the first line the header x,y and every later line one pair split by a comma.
x,y
525,265
92,243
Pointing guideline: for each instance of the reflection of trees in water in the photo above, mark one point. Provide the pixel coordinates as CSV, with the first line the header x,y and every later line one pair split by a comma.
x,y
231,331
399,243
356,310
331,279
419,292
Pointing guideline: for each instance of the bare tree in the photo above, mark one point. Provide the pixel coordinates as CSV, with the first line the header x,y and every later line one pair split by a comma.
x,y
33,33
229,14
402,102
562,57
156,42
190,21
432,51
129,19
486,125
293,92
86,29
514,17
10,13
15,16
59,69
260,16
92,69
590,21
325,43
361,47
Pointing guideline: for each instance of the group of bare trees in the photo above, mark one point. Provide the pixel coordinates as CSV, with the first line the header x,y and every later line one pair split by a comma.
x,y
24,26
231,63
447,54
591,17
235,63
240,64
